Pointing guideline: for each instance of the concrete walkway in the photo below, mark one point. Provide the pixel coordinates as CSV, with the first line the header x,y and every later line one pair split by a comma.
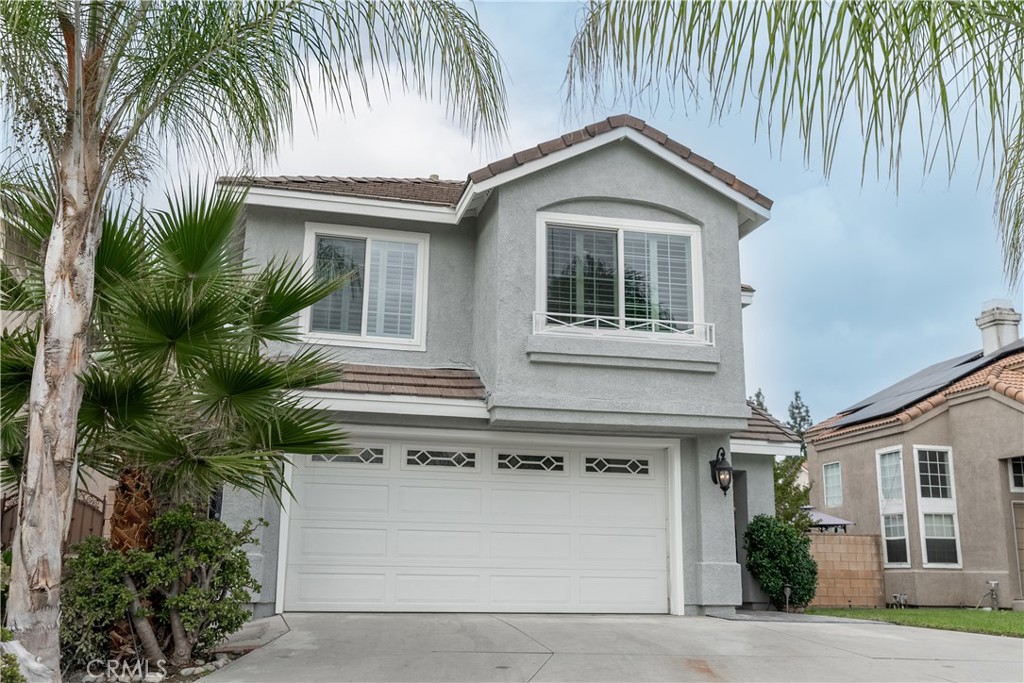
x,y
479,647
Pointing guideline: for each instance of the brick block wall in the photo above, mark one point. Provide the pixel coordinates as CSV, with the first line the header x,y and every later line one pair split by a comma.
x,y
849,570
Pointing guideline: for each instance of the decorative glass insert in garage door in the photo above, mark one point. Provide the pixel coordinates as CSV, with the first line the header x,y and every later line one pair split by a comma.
x,y
425,458
603,465
537,463
359,456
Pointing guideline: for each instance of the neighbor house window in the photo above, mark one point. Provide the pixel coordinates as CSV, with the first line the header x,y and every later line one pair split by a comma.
x,y
833,479
1017,473
382,302
937,502
892,507
606,276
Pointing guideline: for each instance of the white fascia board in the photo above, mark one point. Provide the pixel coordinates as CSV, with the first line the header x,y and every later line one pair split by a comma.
x,y
758,214
312,201
754,447
396,404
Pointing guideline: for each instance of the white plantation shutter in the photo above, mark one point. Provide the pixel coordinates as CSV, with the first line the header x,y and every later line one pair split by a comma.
x,y
582,272
342,310
391,310
658,277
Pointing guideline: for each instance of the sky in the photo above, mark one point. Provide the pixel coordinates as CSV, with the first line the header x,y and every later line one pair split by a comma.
x,y
857,285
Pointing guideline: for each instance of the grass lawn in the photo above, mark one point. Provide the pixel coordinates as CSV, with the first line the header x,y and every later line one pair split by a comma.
x,y
973,621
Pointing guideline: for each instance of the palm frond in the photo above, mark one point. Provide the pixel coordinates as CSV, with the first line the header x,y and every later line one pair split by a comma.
x,y
193,236
159,321
944,77
12,451
118,396
296,429
17,359
1010,209
279,292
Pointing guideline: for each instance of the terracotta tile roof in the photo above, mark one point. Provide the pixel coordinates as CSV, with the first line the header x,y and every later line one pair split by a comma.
x,y
762,426
414,190
448,192
391,380
1004,376
611,123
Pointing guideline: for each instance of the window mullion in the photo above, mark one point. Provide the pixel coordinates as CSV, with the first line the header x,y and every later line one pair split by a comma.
x,y
368,279
620,273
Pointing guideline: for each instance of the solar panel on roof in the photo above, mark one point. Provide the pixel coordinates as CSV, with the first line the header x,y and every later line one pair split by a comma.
x,y
921,385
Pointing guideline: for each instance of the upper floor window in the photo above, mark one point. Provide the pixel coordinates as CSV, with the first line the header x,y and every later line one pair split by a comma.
x,y
1017,473
383,302
940,535
933,468
612,277
892,508
833,478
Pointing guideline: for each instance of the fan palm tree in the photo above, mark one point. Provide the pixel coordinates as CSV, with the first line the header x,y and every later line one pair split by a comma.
x,y
181,393
96,90
939,75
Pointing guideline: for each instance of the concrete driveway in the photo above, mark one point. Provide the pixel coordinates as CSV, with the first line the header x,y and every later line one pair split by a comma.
x,y
478,647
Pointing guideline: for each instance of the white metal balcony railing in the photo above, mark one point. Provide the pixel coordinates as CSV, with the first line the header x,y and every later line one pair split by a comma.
x,y
618,327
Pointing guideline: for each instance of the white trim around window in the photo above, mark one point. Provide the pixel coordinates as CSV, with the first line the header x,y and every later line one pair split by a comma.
x,y
937,512
836,498
1016,476
417,340
618,326
892,506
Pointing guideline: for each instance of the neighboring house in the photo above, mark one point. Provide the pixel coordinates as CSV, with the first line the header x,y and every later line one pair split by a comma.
x,y
541,362
935,463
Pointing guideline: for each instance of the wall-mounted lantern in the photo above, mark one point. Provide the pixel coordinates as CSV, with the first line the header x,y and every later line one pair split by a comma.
x,y
721,471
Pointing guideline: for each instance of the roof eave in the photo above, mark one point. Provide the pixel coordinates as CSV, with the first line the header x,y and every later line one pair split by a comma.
x,y
751,214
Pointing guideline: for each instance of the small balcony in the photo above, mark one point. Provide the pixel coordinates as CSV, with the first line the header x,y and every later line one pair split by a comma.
x,y
623,328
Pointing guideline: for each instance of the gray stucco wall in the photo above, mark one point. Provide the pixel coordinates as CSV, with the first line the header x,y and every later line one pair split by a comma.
x,y
279,233
641,387
758,498
982,429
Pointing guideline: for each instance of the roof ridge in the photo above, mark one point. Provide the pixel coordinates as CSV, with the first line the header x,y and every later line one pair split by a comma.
x,y
606,125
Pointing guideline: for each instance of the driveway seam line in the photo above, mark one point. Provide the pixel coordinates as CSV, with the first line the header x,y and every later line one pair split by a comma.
x,y
540,668
515,628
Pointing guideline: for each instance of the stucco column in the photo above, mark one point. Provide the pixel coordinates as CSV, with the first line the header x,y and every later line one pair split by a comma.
x,y
240,506
716,575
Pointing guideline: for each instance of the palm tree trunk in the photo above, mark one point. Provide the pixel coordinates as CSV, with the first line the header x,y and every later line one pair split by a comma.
x,y
131,529
134,510
47,484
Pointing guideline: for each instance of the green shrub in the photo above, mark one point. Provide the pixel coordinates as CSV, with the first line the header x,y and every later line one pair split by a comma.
x,y
778,555
10,670
195,578
93,598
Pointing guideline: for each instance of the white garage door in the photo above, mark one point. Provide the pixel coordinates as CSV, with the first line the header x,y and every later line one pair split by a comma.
x,y
401,526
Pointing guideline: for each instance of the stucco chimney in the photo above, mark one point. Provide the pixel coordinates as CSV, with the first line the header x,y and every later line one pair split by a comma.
x,y
998,323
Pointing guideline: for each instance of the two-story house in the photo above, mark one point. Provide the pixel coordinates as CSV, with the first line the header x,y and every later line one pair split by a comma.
x,y
934,464
541,363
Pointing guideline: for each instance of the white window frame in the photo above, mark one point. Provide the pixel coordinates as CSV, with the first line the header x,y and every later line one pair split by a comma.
x,y
421,239
937,506
824,484
621,226
1009,472
892,507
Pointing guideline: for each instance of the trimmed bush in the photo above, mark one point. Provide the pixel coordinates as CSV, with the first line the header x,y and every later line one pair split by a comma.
x,y
778,555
